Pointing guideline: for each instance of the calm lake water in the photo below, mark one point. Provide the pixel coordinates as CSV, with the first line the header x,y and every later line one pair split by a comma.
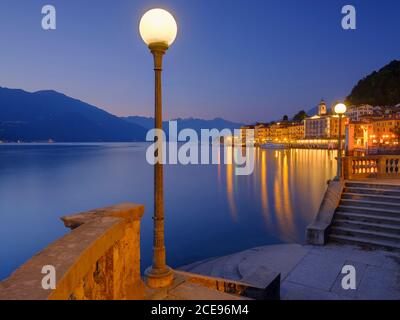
x,y
209,210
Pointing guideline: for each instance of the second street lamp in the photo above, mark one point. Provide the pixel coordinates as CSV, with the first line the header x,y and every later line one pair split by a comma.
x,y
340,109
158,29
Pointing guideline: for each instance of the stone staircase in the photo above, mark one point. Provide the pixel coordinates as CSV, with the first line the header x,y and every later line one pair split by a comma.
x,y
368,215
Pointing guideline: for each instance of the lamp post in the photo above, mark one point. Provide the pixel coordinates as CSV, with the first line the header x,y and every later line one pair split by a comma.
x,y
340,109
158,30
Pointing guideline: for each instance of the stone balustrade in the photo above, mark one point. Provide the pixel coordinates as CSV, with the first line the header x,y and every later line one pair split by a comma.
x,y
371,166
98,260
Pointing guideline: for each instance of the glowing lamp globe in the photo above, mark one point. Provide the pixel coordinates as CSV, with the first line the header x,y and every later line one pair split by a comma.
x,y
158,26
340,108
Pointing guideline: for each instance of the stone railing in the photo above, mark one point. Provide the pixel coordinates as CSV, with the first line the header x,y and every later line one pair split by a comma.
x,y
98,260
371,166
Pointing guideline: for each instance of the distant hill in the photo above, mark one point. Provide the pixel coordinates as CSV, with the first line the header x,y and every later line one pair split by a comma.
x,y
45,115
145,122
380,88
188,123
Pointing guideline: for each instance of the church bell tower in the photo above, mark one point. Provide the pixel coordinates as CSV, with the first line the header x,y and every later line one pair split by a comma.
x,y
322,108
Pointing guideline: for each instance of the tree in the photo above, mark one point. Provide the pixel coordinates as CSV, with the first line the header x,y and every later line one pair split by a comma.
x,y
379,88
300,116
285,118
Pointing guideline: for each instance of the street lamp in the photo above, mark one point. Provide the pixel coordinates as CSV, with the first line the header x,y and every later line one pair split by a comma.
x,y
158,30
340,109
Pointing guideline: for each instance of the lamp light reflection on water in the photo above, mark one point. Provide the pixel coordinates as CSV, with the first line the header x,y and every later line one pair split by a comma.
x,y
293,176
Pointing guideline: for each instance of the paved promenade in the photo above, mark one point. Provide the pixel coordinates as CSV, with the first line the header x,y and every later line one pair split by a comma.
x,y
312,272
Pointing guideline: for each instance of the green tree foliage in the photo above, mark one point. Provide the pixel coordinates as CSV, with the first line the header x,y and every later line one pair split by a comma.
x,y
300,116
379,88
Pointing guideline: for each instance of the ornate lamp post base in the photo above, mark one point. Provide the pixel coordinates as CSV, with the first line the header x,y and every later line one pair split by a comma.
x,y
157,279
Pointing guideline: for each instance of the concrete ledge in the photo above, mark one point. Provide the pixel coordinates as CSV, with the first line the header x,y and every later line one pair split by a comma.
x,y
317,231
128,211
88,257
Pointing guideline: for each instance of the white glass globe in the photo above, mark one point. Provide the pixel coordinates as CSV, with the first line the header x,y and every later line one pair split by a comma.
x,y
340,108
158,26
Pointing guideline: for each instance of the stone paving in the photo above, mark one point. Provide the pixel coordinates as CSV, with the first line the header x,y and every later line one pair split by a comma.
x,y
193,291
183,289
313,272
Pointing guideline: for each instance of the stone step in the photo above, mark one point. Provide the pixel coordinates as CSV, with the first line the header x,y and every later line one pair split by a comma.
x,y
379,227
389,245
386,192
371,197
367,234
373,185
371,204
369,210
365,217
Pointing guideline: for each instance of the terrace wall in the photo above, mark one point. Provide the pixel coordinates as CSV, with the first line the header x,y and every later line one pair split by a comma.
x,y
99,259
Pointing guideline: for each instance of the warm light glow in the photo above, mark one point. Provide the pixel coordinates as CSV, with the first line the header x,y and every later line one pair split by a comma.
x,y
340,108
158,26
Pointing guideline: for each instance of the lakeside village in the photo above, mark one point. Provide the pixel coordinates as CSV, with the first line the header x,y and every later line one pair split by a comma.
x,y
365,129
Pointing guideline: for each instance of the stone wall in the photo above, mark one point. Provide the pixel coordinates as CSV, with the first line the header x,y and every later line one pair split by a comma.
x,y
98,260
317,231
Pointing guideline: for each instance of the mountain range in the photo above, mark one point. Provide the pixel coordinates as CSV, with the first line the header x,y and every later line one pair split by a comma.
x,y
188,123
50,115
45,115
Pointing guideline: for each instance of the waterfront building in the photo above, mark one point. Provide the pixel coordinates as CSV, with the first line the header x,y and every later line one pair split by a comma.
x,y
296,131
359,133
279,132
316,127
386,130
245,134
378,131
262,133
324,125
355,113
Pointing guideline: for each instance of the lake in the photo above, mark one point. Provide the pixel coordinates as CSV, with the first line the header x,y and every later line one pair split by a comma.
x,y
209,210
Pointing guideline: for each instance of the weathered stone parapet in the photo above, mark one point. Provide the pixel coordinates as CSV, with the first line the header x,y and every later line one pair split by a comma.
x,y
317,231
99,259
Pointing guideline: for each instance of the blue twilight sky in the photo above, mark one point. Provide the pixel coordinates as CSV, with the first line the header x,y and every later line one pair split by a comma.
x,y
244,60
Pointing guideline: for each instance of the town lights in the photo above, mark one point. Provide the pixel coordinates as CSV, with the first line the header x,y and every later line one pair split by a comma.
x,y
158,30
340,109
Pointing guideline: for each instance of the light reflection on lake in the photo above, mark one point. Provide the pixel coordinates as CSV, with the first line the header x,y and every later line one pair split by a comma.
x,y
209,210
